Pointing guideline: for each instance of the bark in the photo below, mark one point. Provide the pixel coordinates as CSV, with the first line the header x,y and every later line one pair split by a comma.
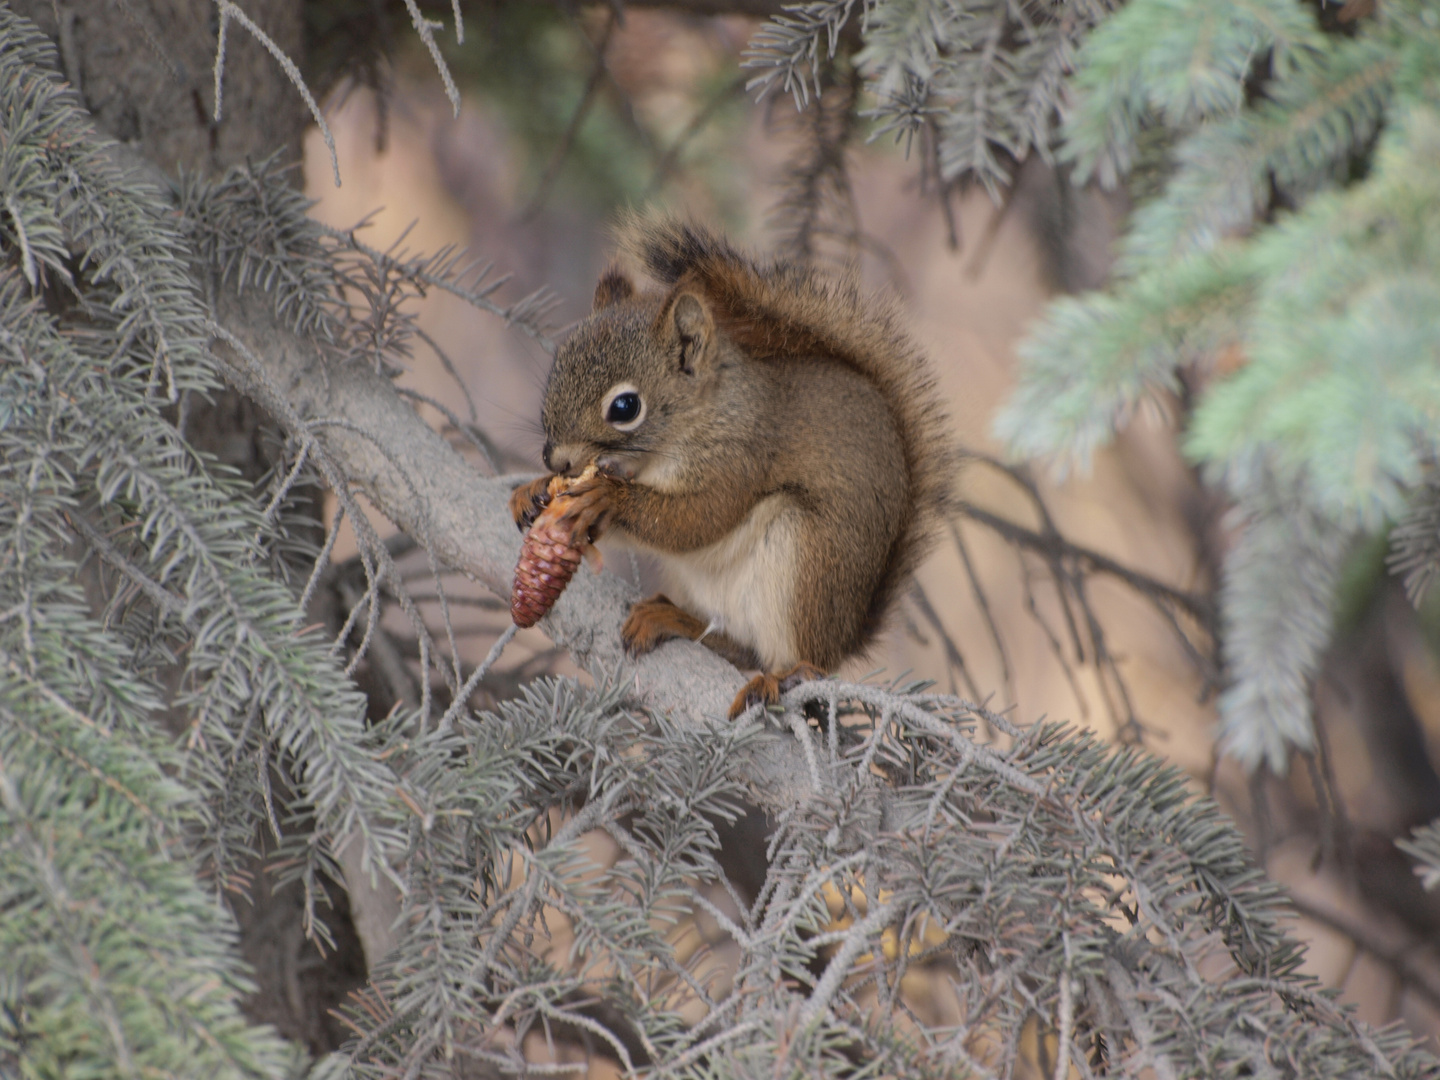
x,y
145,70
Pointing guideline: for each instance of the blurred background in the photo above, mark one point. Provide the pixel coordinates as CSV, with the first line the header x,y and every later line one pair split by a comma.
x,y
1089,598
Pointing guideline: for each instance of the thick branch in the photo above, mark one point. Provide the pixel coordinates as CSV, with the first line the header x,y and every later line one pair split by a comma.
x,y
429,491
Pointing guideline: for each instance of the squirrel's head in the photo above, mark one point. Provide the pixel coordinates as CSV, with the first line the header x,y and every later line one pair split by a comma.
x,y
632,377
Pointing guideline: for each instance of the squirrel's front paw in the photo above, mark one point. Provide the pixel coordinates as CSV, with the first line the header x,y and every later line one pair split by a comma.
x,y
588,500
655,620
527,500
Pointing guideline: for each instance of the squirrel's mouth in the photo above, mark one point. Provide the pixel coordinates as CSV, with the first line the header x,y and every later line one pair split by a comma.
x,y
567,459
623,464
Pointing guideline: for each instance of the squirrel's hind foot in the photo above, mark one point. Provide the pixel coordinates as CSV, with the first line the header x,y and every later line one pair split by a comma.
x,y
769,685
653,621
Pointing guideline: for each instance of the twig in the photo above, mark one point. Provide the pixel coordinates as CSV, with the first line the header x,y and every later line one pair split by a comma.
x,y
944,189
160,596
986,247
1321,1004
572,129
426,545
1057,648
141,24
261,384
952,651
1339,827
816,178
983,602
801,730
1400,957
1055,546
1131,730
391,665
471,432
449,367
523,313
855,939
426,28
1065,1027
229,11
1201,608
476,677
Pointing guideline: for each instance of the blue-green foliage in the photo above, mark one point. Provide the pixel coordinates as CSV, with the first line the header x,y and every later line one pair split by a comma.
x,y
987,76
155,678
1288,263
115,959
1343,338
1175,63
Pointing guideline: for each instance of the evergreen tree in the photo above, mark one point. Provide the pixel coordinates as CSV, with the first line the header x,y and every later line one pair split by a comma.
x,y
1283,270
164,705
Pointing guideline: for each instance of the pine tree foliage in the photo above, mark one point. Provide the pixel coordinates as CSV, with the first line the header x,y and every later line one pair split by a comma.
x,y
989,75
1054,888
816,214
114,950
1416,540
1424,847
253,229
1285,550
1193,67
161,703
1287,268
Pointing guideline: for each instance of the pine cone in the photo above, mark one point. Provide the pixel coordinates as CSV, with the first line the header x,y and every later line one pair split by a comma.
x,y
547,563
549,557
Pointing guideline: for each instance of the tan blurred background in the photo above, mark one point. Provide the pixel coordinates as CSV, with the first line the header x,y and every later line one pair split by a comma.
x,y
672,127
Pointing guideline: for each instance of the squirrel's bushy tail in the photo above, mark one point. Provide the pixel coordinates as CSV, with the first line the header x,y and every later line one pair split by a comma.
x,y
781,309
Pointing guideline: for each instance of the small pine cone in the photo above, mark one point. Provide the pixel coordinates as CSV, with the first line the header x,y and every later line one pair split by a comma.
x,y
547,563
549,556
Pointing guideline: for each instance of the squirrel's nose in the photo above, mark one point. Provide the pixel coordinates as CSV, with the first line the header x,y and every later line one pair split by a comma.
x,y
551,462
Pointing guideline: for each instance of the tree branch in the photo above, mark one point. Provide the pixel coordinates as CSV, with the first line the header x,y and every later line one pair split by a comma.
x,y
1401,952
1055,546
428,490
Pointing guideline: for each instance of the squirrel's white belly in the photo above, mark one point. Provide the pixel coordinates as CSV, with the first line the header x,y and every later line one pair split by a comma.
x,y
744,583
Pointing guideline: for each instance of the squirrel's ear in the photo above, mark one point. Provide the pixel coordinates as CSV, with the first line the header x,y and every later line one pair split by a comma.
x,y
694,328
614,287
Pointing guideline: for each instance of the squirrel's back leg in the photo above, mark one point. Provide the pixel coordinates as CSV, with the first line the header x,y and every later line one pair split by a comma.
x,y
658,619
769,685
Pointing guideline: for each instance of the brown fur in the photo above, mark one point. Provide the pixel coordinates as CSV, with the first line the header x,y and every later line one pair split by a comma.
x,y
781,311
658,619
792,461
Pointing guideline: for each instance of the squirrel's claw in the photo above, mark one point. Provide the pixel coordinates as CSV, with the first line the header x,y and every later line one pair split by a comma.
x,y
587,504
767,687
762,689
527,500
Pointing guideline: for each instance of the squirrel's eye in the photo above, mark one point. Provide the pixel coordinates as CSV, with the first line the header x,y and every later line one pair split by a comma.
x,y
624,408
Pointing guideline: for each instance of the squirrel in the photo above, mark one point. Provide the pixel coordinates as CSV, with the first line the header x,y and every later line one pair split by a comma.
x,y
773,439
